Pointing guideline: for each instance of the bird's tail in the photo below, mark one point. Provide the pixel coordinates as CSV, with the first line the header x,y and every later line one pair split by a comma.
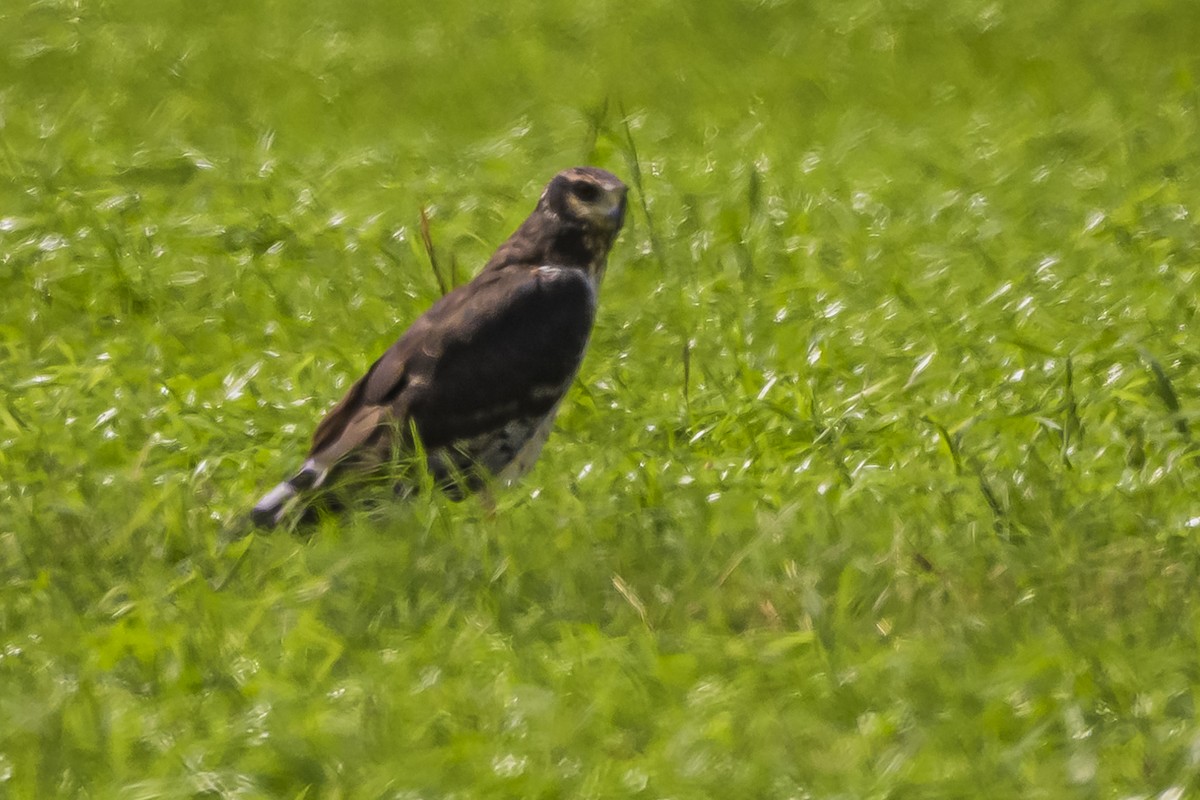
x,y
275,504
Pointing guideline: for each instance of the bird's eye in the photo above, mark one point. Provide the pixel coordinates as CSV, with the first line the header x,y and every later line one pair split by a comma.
x,y
587,192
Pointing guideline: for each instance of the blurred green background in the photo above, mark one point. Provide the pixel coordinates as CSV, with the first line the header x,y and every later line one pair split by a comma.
x,y
877,480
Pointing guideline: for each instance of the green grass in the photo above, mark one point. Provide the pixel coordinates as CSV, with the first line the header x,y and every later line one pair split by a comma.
x,y
878,480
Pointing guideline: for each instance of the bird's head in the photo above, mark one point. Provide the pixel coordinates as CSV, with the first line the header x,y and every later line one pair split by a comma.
x,y
587,196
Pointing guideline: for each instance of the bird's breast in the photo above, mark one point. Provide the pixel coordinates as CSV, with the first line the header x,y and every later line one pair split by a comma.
x,y
531,447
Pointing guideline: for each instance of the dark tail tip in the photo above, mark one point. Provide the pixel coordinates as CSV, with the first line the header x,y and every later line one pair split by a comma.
x,y
270,509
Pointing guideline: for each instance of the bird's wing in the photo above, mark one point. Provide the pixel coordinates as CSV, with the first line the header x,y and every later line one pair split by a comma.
x,y
502,347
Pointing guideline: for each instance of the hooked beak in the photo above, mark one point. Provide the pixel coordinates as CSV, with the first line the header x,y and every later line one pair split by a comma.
x,y
617,215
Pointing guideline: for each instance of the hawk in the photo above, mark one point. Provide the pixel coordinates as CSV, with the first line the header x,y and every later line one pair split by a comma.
x,y
479,376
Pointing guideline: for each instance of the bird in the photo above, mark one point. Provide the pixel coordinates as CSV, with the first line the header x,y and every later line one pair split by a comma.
x,y
475,382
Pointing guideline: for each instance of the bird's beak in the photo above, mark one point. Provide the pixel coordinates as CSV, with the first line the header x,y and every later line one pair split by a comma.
x,y
617,215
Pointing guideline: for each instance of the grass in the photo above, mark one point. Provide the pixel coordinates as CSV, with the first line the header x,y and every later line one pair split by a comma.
x,y
878,480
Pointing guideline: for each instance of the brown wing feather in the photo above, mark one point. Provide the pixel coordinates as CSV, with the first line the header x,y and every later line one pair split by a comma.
x,y
338,417
504,346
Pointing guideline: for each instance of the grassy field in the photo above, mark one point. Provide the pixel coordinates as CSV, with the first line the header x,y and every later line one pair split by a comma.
x,y
874,483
